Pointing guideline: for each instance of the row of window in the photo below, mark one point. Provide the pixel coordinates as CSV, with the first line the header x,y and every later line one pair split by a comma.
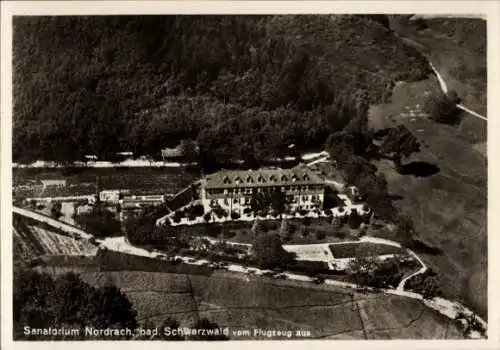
x,y
295,199
246,200
225,201
247,190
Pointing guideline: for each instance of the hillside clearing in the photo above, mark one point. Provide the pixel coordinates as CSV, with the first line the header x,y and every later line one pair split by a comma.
x,y
449,207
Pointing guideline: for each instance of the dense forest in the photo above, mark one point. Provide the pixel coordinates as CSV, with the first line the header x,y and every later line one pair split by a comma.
x,y
67,303
40,301
467,32
242,86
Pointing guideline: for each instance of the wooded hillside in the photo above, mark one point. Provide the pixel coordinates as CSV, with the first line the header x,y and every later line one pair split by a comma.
x,y
243,86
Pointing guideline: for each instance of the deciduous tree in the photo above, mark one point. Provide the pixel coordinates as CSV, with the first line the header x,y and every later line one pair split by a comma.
x,y
354,219
55,210
399,143
405,229
99,221
268,251
41,301
443,108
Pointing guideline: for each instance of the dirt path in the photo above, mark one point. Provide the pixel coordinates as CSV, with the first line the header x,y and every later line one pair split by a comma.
x,y
445,90
442,82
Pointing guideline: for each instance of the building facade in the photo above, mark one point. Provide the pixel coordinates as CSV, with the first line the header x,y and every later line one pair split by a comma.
x,y
232,190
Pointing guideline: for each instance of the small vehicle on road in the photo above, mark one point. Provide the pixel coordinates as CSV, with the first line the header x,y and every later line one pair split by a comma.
x,y
318,280
268,273
217,265
281,276
214,265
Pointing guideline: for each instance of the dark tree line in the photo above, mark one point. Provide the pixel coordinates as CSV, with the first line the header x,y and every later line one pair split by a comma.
x,y
242,86
268,252
426,284
41,301
263,202
443,108
378,274
99,221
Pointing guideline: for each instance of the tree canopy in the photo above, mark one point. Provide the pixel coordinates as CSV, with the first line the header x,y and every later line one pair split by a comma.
x,y
268,251
354,220
100,221
400,143
443,108
374,272
241,86
41,301
426,284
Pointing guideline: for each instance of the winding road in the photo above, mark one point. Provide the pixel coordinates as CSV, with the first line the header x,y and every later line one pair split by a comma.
x,y
446,307
445,90
442,83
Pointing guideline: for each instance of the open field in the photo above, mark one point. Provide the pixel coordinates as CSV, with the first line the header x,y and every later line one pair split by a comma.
x,y
457,47
412,96
450,216
231,301
449,202
357,250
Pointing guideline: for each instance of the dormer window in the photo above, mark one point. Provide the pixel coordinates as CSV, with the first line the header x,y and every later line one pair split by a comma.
x,y
260,179
226,180
305,177
294,178
284,178
250,179
237,180
273,178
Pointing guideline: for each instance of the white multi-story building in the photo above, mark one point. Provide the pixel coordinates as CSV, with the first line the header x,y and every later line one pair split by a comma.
x,y
232,190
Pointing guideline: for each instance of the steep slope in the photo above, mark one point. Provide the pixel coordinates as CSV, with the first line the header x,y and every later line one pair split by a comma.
x,y
239,84
326,312
31,240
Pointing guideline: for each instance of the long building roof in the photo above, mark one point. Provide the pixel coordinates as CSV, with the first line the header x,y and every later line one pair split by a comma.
x,y
300,175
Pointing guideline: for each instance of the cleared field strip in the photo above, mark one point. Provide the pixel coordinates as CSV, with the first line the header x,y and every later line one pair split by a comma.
x,y
31,241
362,249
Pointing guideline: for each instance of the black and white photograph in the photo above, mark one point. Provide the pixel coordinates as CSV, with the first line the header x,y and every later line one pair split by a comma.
x,y
248,177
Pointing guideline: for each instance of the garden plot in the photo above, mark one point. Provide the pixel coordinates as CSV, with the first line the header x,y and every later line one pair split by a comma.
x,y
358,250
311,252
339,255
